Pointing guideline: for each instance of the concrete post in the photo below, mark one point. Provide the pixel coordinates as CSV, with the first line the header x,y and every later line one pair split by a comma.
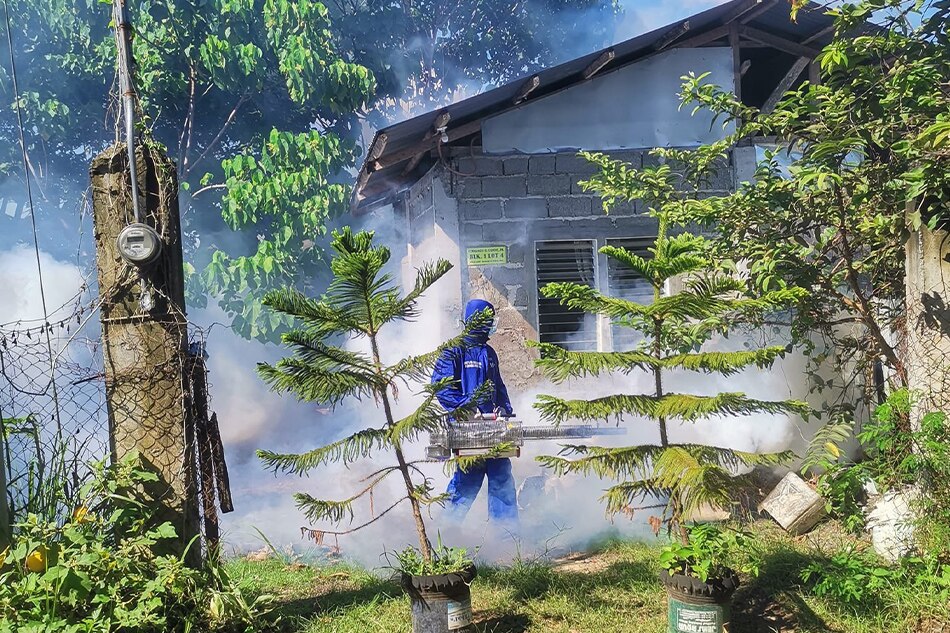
x,y
144,332
928,321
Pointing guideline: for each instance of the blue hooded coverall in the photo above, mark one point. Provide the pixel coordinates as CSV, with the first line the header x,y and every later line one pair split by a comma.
x,y
470,365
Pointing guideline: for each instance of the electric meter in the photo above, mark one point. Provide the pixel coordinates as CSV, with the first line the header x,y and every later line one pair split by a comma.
x,y
139,244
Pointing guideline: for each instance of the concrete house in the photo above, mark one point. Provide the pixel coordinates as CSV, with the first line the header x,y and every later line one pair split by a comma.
x,y
491,182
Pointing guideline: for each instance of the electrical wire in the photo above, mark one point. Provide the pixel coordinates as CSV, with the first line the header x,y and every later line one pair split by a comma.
x,y
29,196
123,28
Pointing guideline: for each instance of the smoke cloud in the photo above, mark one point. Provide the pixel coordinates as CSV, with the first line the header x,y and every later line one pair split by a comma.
x,y
20,284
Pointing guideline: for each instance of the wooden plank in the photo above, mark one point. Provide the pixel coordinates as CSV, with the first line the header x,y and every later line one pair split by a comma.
x,y
672,35
777,42
375,151
441,121
427,144
759,10
741,10
785,83
704,38
602,60
378,146
820,34
736,59
526,89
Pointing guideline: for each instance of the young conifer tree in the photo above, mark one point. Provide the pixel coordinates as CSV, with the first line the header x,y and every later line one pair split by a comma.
x,y
674,328
359,303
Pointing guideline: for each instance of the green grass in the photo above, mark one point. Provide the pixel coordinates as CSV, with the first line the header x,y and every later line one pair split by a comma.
x,y
614,589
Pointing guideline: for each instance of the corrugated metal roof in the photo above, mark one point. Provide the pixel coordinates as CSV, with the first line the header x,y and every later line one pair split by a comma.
x,y
772,16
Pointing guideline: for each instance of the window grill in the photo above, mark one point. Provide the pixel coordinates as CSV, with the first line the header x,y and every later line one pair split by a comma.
x,y
624,282
566,261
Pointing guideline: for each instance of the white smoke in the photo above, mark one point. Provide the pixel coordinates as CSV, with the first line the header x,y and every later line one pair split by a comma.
x,y
20,285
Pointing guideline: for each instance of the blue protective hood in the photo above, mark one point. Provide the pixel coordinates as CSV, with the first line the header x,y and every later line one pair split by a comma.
x,y
473,307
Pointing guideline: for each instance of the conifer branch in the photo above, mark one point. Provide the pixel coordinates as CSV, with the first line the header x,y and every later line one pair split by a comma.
x,y
405,308
725,363
357,446
419,368
558,364
311,383
681,406
320,318
582,297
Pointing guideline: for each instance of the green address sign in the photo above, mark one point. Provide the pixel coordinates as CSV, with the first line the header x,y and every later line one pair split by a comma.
x,y
486,255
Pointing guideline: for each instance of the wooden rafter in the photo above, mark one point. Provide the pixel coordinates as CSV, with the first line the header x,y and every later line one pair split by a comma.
x,y
440,123
529,86
378,147
820,34
786,83
757,11
741,10
602,60
778,42
704,38
736,58
672,35
375,151
426,145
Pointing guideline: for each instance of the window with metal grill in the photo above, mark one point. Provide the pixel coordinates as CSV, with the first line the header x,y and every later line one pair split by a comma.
x,y
624,282
566,261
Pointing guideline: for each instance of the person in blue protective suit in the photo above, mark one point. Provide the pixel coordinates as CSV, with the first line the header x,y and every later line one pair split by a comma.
x,y
470,365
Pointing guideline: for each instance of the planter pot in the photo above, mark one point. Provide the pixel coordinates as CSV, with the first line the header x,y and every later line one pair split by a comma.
x,y
696,606
441,603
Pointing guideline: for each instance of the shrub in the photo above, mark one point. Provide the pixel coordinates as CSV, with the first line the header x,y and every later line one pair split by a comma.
x,y
98,571
710,551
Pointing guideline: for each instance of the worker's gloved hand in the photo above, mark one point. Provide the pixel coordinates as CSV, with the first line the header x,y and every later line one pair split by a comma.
x,y
502,413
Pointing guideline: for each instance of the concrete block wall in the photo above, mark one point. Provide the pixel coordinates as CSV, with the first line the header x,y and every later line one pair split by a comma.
x,y
515,201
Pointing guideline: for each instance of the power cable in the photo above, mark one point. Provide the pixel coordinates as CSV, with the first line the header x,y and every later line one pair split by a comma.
x,y
29,196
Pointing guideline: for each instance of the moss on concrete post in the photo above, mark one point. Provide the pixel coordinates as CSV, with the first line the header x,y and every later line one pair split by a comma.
x,y
145,342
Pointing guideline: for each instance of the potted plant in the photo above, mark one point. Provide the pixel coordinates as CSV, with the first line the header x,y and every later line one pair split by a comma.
x,y
439,589
712,298
360,302
700,576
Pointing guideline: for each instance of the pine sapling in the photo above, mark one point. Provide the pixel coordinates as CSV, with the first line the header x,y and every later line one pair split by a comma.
x,y
673,329
359,303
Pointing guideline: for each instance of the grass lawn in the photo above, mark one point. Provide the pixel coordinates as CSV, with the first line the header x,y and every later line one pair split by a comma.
x,y
614,589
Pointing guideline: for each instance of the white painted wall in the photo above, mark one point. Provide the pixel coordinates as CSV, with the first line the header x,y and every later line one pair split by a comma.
x,y
634,107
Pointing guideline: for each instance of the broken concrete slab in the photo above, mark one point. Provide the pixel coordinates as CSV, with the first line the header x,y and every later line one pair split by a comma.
x,y
794,505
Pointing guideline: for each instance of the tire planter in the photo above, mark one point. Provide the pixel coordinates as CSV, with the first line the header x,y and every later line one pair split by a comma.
x,y
696,606
442,603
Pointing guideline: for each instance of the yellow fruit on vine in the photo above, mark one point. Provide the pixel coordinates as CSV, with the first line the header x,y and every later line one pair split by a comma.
x,y
36,562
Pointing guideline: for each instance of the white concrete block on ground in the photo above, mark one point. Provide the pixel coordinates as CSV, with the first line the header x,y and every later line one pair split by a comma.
x,y
794,505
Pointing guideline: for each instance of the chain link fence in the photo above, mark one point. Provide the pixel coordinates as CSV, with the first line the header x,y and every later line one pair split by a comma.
x,y
53,420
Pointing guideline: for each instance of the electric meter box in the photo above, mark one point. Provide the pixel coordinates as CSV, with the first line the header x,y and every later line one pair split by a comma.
x,y
139,244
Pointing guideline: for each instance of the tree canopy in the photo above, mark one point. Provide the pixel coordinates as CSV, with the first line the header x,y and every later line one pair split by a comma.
x,y
263,104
